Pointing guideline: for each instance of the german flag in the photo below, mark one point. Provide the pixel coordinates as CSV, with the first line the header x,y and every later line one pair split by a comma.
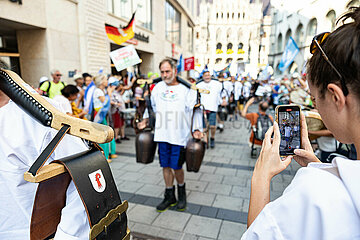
x,y
120,36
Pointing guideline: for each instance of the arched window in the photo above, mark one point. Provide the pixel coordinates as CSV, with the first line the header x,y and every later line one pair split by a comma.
x,y
312,27
228,15
299,37
229,46
217,15
228,34
229,60
222,15
279,43
353,3
218,61
239,34
233,14
287,36
218,46
218,34
331,18
240,46
239,15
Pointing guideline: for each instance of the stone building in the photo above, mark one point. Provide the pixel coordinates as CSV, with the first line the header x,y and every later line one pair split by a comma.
x,y
39,35
301,20
232,31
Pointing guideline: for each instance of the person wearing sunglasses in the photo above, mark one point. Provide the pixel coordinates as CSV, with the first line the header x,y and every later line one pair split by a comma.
x,y
323,200
54,87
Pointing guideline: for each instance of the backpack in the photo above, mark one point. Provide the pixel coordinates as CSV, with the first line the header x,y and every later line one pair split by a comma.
x,y
263,123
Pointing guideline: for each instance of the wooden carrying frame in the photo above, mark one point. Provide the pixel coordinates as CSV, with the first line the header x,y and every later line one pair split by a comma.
x,y
55,173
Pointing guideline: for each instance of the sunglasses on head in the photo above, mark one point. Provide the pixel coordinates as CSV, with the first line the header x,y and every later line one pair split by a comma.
x,y
316,43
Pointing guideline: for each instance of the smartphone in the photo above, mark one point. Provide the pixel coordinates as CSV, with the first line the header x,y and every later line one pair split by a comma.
x,y
288,118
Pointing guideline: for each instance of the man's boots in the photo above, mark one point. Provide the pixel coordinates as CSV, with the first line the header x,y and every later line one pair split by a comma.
x,y
181,206
169,200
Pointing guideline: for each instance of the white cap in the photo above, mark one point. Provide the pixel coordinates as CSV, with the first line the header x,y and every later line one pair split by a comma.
x,y
43,79
112,80
77,76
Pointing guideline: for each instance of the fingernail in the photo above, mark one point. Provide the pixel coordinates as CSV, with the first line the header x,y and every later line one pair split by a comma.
x,y
297,151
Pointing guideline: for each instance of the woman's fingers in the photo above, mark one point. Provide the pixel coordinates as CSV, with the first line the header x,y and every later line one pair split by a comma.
x,y
267,139
277,137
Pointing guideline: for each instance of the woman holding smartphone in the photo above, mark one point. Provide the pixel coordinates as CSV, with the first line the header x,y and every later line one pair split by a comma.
x,y
323,200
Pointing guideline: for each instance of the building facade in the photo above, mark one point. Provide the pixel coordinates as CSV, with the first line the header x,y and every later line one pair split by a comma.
x,y
301,21
231,31
70,35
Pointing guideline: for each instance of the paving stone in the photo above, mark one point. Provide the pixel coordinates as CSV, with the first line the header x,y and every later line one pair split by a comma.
x,y
192,175
153,202
126,196
245,206
168,234
218,188
151,170
152,179
140,199
151,190
130,176
133,167
201,198
233,216
231,230
211,178
221,159
142,214
238,191
227,202
196,185
233,180
225,171
146,229
193,208
203,226
244,173
207,169
208,211
173,220
129,186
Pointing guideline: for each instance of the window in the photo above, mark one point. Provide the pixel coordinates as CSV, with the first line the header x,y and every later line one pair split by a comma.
x,y
331,17
229,46
240,46
228,34
197,35
125,9
238,15
218,34
217,15
190,33
218,46
172,24
312,27
287,36
229,60
228,16
279,43
299,35
218,61
233,14
353,3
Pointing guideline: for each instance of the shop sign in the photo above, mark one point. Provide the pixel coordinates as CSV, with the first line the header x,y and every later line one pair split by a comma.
x,y
141,37
124,57
189,63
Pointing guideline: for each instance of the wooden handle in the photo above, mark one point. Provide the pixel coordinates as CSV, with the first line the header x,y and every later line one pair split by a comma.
x,y
81,128
46,172
194,87
224,79
143,81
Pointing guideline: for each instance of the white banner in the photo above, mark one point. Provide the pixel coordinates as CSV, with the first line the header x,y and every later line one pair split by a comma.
x,y
124,57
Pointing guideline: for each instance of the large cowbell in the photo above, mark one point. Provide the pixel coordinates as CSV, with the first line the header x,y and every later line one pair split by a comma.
x,y
145,147
195,151
195,148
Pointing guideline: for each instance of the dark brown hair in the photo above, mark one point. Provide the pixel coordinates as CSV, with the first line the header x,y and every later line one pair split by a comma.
x,y
342,47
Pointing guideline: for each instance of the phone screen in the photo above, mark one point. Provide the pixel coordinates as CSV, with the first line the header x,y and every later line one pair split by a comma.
x,y
289,125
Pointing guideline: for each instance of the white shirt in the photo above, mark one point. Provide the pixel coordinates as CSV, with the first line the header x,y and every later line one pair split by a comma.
x,y
238,90
97,103
247,88
211,101
64,103
287,131
327,144
321,203
173,107
22,139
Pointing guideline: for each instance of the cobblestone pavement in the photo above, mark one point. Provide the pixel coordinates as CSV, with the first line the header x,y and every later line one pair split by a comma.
x,y
218,195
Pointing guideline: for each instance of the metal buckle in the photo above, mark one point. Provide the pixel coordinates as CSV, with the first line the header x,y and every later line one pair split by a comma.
x,y
112,215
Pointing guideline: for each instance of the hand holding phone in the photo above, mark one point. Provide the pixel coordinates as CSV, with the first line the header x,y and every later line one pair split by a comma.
x,y
288,118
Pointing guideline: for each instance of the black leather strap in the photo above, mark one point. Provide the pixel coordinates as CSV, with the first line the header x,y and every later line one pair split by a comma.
x,y
23,99
83,169
39,162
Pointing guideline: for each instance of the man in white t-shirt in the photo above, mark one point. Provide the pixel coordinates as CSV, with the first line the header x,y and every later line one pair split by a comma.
x,y
22,139
172,103
211,102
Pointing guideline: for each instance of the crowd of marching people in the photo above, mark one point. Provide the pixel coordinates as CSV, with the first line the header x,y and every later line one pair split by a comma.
x,y
112,100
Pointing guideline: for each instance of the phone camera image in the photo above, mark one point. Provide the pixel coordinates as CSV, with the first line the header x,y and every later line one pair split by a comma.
x,y
289,125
